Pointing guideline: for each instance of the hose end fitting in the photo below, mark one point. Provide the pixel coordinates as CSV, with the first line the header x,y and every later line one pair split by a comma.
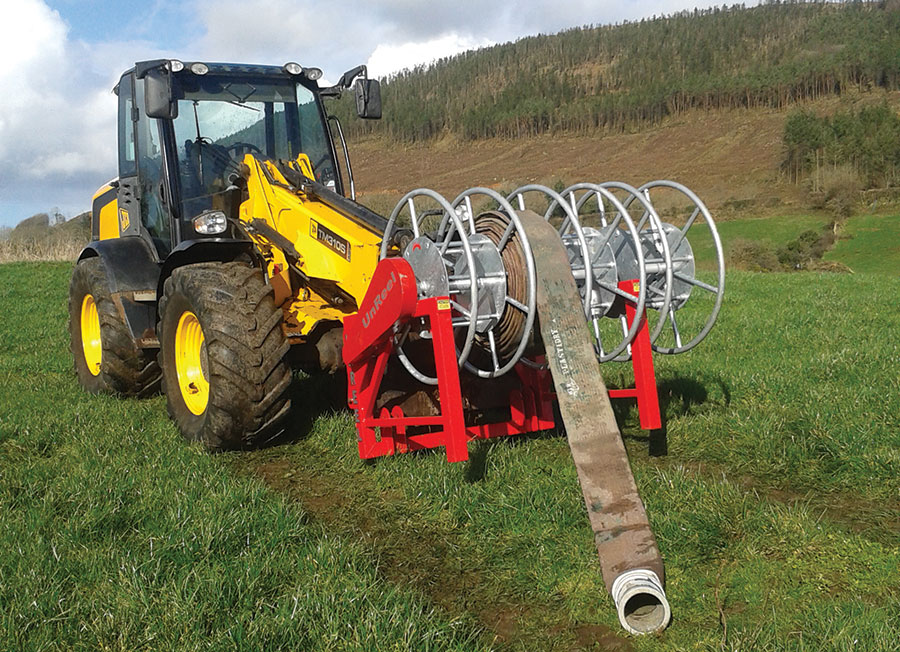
x,y
641,602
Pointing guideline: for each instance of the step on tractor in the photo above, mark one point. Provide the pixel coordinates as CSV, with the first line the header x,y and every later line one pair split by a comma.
x,y
231,250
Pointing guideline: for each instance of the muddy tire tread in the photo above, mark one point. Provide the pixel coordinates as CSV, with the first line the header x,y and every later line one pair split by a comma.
x,y
246,348
125,369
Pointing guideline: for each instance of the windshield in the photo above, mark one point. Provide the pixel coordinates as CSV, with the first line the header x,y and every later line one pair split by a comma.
x,y
220,119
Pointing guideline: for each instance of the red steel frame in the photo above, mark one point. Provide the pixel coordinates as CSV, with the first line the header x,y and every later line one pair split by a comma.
x,y
369,341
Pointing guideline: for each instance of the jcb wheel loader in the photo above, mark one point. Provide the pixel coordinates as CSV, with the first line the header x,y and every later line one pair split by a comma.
x,y
193,281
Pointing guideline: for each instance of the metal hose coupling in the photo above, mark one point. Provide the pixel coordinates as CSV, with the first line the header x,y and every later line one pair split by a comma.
x,y
641,601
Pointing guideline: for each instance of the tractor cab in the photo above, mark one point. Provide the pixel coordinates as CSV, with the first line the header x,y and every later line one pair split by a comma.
x,y
184,129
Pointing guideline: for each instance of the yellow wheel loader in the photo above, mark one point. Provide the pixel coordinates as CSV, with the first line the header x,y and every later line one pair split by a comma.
x,y
194,280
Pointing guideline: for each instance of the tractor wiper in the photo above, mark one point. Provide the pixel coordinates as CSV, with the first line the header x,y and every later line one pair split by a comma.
x,y
199,137
243,106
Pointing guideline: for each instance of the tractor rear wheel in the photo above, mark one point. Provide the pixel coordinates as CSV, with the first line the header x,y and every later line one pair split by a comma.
x,y
222,353
107,360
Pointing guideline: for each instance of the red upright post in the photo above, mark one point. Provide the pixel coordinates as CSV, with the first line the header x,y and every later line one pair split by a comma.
x,y
645,390
447,367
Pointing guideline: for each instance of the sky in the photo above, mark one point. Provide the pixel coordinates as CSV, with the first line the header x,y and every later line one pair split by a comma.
x,y
61,59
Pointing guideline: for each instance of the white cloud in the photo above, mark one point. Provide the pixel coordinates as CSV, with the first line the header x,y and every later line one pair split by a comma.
x,y
57,127
57,114
333,36
387,58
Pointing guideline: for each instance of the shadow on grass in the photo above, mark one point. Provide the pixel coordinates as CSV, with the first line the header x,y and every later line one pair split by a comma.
x,y
481,449
678,396
311,397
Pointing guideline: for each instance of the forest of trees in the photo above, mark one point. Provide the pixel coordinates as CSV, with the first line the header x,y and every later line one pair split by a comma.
x,y
865,141
612,77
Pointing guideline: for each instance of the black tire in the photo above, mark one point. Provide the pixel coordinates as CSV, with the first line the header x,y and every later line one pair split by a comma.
x,y
124,368
243,355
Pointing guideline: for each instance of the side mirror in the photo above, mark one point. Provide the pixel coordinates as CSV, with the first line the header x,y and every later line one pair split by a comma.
x,y
368,98
159,100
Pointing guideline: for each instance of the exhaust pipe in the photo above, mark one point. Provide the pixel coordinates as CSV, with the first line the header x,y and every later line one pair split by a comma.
x,y
641,602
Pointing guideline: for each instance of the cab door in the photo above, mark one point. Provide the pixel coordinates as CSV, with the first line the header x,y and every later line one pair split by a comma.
x,y
155,214
143,210
129,215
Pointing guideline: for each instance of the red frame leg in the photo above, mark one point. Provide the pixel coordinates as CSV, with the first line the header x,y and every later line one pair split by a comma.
x,y
645,390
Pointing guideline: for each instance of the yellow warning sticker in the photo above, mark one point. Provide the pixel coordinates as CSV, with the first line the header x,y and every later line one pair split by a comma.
x,y
637,287
124,222
443,304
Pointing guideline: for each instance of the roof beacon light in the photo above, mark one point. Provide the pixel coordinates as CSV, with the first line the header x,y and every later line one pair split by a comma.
x,y
313,74
175,65
292,68
199,68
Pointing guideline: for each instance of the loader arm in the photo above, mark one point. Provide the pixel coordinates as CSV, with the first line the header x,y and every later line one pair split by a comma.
x,y
332,252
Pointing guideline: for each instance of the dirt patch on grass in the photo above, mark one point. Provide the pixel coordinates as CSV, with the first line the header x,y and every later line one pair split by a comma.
x,y
428,557
598,637
877,521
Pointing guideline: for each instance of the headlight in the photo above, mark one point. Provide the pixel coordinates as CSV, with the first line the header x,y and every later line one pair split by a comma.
x,y
313,74
210,223
199,68
292,68
175,65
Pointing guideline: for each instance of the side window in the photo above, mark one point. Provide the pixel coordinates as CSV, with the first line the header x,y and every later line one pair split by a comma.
x,y
154,215
313,137
127,162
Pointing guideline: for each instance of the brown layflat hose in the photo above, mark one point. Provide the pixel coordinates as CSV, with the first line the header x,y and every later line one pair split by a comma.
x,y
629,557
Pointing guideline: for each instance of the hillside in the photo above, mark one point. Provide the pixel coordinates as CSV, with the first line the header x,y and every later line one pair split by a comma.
x,y
41,237
731,157
614,77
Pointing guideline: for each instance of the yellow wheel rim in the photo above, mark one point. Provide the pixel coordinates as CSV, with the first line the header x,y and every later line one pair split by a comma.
x,y
190,363
90,335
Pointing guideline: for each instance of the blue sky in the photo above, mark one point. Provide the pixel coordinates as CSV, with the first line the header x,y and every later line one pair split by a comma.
x,y
98,20
62,57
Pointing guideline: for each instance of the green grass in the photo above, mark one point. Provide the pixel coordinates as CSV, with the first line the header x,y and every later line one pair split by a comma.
x,y
873,245
777,508
869,243
775,231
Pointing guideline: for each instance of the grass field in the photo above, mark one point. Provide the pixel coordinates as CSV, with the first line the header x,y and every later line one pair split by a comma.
x,y
869,243
777,507
873,245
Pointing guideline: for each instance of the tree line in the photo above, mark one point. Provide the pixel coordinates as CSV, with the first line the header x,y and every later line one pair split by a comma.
x,y
866,141
611,77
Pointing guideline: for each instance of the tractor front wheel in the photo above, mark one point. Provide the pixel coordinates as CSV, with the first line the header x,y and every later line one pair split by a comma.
x,y
222,353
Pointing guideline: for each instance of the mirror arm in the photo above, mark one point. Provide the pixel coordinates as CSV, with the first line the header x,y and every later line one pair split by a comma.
x,y
332,91
143,67
348,77
346,81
